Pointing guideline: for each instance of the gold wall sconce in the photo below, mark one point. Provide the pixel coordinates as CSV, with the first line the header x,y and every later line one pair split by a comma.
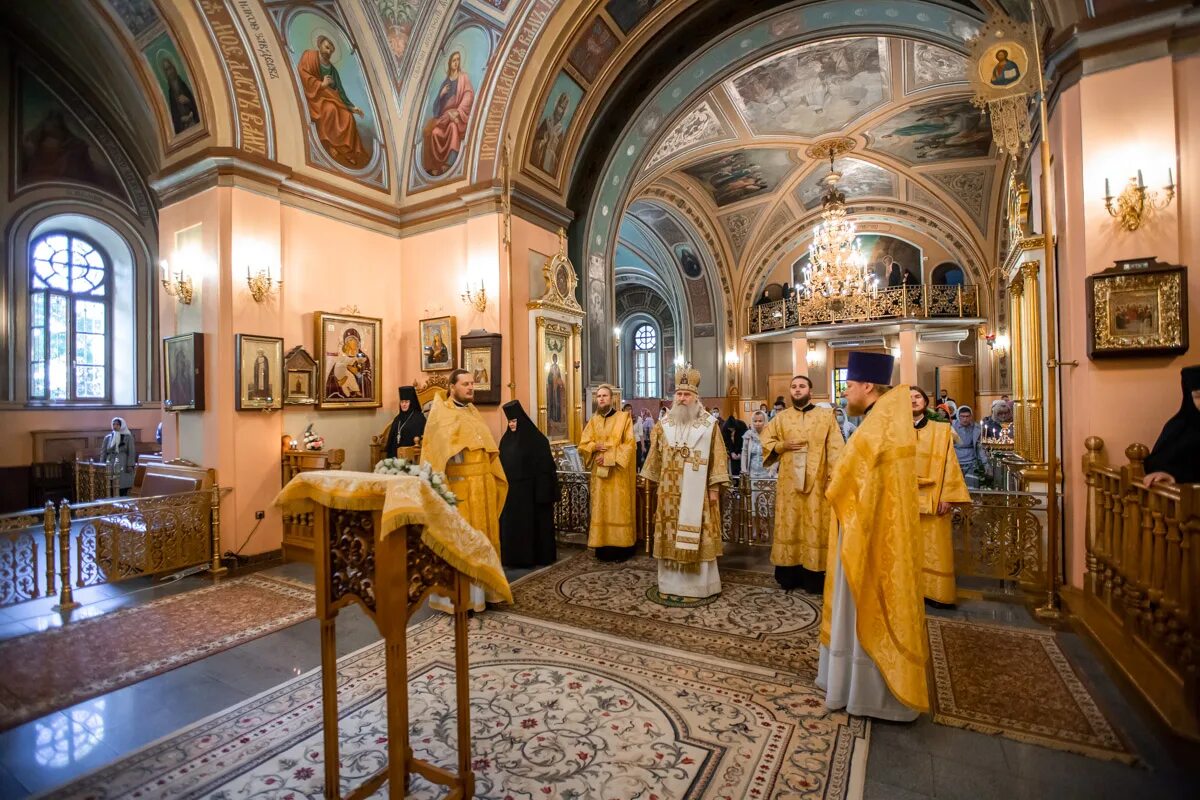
x,y
1134,204
261,283
179,286
475,297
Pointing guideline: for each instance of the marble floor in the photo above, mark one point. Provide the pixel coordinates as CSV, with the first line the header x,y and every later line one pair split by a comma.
x,y
918,760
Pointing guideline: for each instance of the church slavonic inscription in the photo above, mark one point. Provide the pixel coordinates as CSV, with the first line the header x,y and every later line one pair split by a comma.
x,y
250,109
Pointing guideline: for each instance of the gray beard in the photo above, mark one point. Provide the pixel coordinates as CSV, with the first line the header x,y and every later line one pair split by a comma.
x,y
685,415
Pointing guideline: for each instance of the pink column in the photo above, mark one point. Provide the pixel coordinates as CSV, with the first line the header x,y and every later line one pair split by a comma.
x,y
908,355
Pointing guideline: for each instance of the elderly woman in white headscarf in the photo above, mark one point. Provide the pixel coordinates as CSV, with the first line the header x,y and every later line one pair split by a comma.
x,y
120,453
752,452
844,424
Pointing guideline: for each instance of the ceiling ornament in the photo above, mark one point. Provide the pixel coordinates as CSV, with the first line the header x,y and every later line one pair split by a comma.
x,y
1003,73
837,266
700,126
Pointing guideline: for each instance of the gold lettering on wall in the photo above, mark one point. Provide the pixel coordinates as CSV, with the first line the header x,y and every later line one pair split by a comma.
x,y
250,108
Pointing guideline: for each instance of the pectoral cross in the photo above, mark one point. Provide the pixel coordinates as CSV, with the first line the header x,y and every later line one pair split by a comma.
x,y
694,459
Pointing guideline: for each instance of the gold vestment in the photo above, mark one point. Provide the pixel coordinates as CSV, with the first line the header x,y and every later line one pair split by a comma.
x,y
940,480
665,467
477,479
873,496
801,535
614,485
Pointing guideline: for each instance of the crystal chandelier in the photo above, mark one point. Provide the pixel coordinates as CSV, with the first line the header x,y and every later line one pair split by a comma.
x,y
837,266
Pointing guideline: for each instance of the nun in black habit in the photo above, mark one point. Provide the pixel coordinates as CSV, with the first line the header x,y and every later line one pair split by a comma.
x,y
1176,455
409,425
527,521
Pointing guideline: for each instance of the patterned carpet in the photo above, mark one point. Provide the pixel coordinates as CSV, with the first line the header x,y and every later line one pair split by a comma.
x,y
752,621
1016,682
555,711
45,671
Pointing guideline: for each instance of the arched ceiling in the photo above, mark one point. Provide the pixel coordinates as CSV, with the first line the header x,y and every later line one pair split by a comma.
x,y
742,152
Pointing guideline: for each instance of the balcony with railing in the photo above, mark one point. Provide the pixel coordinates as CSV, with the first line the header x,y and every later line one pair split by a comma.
x,y
901,302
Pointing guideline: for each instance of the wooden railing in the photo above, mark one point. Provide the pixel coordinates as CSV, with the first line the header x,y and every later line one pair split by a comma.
x,y
106,541
95,480
908,302
1140,598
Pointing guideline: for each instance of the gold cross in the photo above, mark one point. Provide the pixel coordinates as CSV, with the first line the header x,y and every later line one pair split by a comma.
x,y
695,460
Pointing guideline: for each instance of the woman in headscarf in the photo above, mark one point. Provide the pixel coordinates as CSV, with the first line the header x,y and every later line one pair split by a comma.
x,y
844,424
527,521
752,452
120,453
1176,455
409,425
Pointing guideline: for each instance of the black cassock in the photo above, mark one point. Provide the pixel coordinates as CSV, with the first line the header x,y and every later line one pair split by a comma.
x,y
407,426
527,521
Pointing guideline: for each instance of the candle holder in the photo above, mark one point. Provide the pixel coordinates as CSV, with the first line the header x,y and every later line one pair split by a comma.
x,y
1134,205
260,283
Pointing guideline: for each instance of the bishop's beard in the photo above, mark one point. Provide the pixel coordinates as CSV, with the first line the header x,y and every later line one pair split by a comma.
x,y
685,415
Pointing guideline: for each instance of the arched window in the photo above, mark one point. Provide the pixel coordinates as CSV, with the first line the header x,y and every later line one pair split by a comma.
x,y
70,312
645,361
948,274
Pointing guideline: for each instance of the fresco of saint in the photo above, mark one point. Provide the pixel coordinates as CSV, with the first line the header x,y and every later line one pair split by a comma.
x,y
446,129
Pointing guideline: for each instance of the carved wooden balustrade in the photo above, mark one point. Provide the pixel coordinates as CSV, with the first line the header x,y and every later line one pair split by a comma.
x,y
1140,597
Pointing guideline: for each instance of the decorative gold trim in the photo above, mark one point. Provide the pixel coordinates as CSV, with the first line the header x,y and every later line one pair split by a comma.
x,y
556,297
830,148
573,379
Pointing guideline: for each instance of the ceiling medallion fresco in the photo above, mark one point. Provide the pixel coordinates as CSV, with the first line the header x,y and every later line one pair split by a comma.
x,y
738,227
702,125
732,177
971,188
814,89
859,179
927,66
943,130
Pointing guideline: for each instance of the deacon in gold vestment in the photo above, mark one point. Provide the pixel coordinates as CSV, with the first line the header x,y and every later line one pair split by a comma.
x,y
874,650
805,441
941,483
609,451
458,443
689,463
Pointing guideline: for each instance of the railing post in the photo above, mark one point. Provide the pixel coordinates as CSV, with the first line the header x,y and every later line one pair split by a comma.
x,y
215,517
958,293
1092,459
903,301
66,599
48,525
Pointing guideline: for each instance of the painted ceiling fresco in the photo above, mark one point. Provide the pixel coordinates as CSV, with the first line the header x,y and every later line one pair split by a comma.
x,y
859,179
814,89
901,105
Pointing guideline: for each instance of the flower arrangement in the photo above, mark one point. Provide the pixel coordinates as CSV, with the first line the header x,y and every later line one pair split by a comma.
x,y
402,466
311,440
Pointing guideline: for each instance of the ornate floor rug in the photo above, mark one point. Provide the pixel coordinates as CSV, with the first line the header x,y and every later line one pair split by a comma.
x,y
45,671
555,712
752,621
1016,682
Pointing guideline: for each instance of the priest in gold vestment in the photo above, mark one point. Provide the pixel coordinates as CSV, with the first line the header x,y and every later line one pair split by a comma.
x,y
874,651
941,483
458,443
689,463
805,441
609,451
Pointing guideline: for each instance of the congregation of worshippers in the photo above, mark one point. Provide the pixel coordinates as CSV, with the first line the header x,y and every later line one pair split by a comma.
x,y
863,503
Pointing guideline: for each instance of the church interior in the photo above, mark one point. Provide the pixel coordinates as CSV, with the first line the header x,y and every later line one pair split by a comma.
x,y
554,201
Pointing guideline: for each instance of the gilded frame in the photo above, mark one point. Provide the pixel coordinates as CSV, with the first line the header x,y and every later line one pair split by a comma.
x,y
447,328
362,372
561,339
1137,309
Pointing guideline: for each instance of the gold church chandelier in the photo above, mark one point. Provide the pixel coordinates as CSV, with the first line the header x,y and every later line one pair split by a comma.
x,y
836,266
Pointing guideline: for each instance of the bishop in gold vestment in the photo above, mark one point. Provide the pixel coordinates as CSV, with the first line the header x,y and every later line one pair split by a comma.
x,y
941,483
874,651
805,441
689,463
609,452
458,443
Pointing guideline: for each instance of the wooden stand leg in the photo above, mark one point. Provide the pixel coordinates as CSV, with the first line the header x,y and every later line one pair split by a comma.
x,y
329,706
462,684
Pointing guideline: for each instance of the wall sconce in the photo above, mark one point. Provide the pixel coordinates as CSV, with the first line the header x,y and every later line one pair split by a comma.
x,y
260,283
680,361
813,357
475,297
732,359
179,287
1134,204
617,335
998,342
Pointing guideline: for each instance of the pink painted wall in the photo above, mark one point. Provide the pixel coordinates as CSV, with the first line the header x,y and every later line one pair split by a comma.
x,y
1094,138
19,424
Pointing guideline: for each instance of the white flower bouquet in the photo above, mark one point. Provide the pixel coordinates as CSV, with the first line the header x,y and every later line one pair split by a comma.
x,y
402,466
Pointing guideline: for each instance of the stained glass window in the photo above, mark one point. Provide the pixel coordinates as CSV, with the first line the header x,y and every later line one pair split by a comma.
x,y
645,362
69,320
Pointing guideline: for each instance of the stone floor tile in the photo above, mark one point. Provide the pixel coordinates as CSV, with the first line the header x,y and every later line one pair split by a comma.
x,y
52,750
925,735
904,769
953,780
874,790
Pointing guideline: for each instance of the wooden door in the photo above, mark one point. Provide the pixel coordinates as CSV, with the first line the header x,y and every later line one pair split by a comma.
x,y
779,386
959,381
